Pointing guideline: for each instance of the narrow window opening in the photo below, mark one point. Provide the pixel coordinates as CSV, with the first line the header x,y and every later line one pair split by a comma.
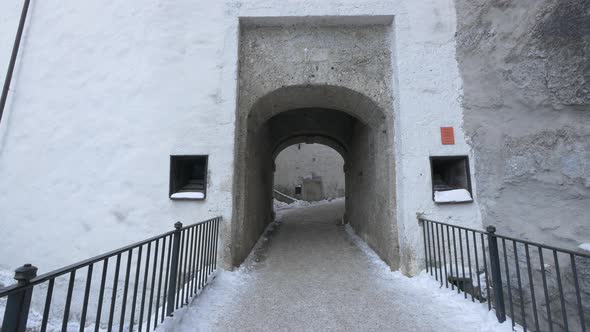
x,y
188,177
298,190
451,180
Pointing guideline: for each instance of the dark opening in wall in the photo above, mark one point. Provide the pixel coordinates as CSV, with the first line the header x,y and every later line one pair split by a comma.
x,y
298,190
451,179
188,177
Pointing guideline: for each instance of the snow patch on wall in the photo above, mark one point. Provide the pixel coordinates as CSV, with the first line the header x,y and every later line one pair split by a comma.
x,y
189,195
452,196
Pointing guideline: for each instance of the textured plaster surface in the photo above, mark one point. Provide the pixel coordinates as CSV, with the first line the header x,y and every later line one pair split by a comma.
x,y
301,161
526,72
105,91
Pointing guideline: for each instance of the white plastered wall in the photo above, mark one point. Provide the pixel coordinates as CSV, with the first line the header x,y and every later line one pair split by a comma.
x,y
106,91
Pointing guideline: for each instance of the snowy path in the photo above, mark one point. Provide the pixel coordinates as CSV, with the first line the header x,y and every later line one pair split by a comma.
x,y
312,275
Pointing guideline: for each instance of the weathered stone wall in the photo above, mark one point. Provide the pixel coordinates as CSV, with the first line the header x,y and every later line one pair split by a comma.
x,y
337,85
526,71
526,77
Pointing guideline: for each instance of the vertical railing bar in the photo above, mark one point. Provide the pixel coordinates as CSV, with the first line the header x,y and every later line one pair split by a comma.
x,y
456,259
199,253
217,221
450,256
532,286
508,282
476,265
485,268
462,260
103,279
206,255
184,275
135,287
578,295
200,285
160,283
153,286
164,302
47,305
210,260
423,222
429,245
496,274
521,294
86,295
186,265
442,234
114,293
196,261
195,273
125,290
209,233
439,270
64,325
547,304
432,225
189,256
189,290
199,256
211,237
172,290
179,271
144,286
469,265
560,288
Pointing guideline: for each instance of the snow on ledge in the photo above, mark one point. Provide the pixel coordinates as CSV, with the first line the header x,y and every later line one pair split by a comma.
x,y
584,246
452,196
189,195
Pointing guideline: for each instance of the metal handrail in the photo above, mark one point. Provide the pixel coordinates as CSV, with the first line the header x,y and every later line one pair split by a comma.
x,y
452,253
537,244
191,253
76,266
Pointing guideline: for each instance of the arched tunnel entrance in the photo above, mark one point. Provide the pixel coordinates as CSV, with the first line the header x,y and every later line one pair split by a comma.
x,y
349,122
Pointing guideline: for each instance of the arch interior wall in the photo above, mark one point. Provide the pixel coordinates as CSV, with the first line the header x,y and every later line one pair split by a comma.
x,y
330,83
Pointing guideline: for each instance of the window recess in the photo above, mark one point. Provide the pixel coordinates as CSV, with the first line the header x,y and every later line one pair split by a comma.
x,y
451,179
188,177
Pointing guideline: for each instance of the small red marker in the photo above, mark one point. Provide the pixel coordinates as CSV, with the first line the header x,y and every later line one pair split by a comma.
x,y
447,135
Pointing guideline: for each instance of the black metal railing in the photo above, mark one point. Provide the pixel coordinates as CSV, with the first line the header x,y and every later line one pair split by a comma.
x,y
137,285
541,287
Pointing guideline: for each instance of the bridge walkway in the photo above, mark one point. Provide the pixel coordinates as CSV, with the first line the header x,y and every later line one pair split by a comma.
x,y
311,274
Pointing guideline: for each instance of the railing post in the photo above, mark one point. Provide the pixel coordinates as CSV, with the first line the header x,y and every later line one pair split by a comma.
x,y
17,304
496,274
173,269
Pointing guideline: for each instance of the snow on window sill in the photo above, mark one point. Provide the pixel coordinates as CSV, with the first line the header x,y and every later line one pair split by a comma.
x,y
188,195
452,196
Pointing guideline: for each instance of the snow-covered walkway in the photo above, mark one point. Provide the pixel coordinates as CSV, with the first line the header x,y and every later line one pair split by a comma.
x,y
310,274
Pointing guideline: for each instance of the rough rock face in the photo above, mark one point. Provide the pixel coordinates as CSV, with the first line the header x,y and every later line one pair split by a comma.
x,y
526,75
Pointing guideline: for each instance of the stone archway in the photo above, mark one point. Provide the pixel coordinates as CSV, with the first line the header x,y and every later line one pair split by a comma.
x,y
345,119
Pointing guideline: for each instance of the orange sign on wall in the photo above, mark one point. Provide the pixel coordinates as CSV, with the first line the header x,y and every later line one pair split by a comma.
x,y
447,135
